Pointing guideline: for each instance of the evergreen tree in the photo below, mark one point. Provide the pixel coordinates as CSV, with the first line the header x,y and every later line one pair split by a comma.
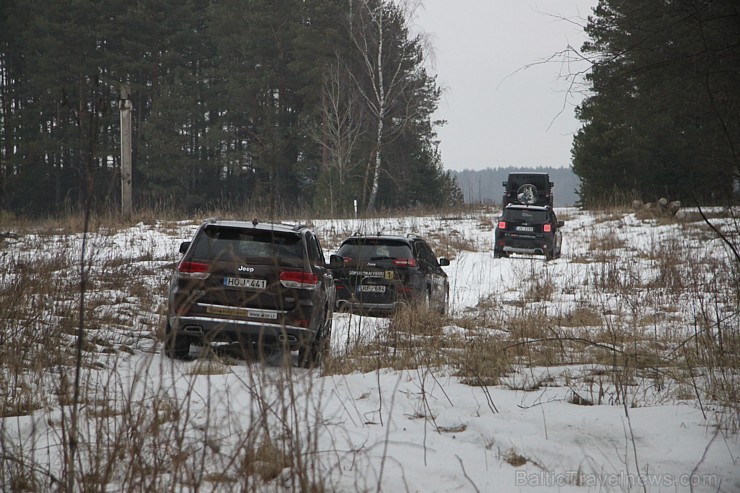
x,y
663,120
228,100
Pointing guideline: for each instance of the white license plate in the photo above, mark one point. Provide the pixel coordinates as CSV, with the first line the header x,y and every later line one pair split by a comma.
x,y
372,288
524,228
262,314
244,282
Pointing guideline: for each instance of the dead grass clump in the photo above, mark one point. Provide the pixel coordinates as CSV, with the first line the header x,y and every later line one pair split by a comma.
x,y
578,400
266,460
513,458
482,362
459,243
486,223
582,316
613,277
529,324
209,365
417,319
540,289
19,400
609,214
606,242
414,338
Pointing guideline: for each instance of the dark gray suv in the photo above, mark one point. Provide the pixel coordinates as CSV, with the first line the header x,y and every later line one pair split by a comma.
x,y
262,285
531,230
374,274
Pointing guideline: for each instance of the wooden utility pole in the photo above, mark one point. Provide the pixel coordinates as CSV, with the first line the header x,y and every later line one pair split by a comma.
x,y
124,105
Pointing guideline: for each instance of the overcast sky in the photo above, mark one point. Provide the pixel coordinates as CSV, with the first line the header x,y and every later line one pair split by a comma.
x,y
499,113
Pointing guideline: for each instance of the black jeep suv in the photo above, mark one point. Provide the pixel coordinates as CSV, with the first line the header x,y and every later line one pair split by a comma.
x,y
528,189
261,285
533,230
373,274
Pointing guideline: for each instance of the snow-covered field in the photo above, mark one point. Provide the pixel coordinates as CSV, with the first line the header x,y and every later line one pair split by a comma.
x,y
642,288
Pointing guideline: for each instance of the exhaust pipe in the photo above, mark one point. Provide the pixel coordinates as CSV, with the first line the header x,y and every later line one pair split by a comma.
x,y
193,329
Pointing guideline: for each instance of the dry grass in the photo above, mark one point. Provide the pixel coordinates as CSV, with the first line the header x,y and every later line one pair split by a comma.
x,y
660,321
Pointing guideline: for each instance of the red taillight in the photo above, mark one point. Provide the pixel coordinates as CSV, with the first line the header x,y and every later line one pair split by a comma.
x,y
547,228
195,270
347,260
502,225
404,262
299,280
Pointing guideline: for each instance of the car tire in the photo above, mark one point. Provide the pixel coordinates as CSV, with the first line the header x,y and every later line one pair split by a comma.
x,y
442,308
500,254
314,353
176,346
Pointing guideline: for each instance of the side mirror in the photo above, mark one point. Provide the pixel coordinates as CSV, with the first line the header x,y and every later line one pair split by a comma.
x,y
443,262
561,224
336,261
506,183
184,246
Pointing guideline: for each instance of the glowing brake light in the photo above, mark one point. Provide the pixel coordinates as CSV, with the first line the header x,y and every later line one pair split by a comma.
x,y
404,262
547,228
502,225
193,270
299,280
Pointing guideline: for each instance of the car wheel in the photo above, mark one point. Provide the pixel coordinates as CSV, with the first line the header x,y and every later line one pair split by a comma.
x,y
176,346
442,309
427,299
314,353
500,254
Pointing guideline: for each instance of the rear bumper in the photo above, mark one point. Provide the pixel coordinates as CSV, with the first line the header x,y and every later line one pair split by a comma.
x,y
526,244
527,251
359,307
209,329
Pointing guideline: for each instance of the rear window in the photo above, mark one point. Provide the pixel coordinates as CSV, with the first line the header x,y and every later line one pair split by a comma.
x,y
525,215
235,245
374,249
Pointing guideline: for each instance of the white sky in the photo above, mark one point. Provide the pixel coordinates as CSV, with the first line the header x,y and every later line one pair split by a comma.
x,y
498,113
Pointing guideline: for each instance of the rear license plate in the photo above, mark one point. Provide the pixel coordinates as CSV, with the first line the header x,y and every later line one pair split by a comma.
x,y
372,288
524,228
264,314
243,282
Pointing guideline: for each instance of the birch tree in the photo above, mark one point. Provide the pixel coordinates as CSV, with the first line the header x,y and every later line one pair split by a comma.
x,y
386,77
341,127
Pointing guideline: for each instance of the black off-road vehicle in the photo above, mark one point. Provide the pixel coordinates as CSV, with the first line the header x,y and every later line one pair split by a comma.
x,y
528,189
262,285
532,230
377,273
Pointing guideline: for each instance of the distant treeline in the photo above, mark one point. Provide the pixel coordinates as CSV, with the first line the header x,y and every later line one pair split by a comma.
x,y
486,185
